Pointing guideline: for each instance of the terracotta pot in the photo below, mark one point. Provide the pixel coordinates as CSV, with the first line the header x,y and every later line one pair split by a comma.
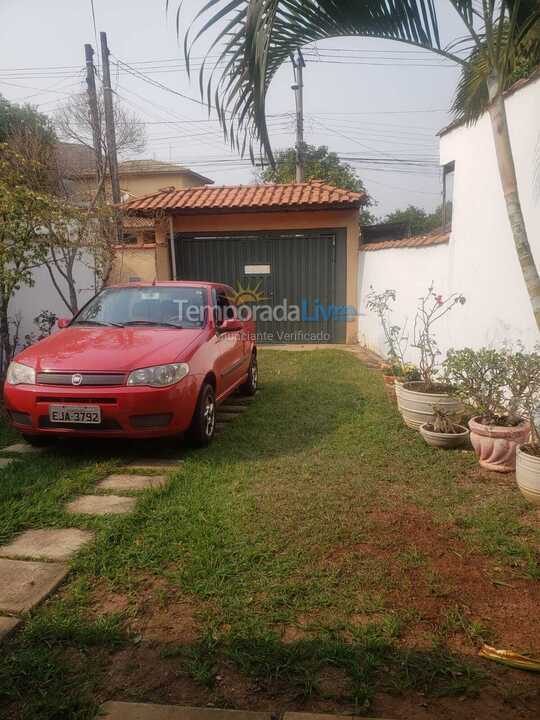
x,y
495,445
445,440
389,386
528,475
416,407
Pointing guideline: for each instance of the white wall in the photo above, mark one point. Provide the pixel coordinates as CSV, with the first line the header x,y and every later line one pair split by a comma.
x,y
28,302
480,260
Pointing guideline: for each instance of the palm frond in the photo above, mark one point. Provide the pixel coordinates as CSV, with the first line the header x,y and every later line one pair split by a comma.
x,y
256,37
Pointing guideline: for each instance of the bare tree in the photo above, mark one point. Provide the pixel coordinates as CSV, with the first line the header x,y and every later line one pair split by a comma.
x,y
73,122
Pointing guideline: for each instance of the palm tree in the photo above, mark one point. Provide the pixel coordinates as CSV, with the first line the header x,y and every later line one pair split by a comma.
x,y
255,37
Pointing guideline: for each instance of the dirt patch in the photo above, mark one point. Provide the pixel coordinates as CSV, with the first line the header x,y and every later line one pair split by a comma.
x,y
450,577
156,610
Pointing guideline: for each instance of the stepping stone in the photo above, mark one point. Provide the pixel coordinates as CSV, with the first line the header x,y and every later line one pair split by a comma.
x,y
7,626
133,482
149,711
101,505
232,409
318,716
155,464
24,584
220,427
4,462
22,448
50,544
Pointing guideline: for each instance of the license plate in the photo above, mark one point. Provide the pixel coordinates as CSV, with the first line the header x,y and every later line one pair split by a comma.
x,y
80,414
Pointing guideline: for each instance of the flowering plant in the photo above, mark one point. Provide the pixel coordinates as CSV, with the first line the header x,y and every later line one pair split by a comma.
x,y
395,336
431,308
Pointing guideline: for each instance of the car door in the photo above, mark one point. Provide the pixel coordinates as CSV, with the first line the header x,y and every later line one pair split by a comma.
x,y
233,363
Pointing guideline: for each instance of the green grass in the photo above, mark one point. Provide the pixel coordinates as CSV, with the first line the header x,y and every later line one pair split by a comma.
x,y
288,523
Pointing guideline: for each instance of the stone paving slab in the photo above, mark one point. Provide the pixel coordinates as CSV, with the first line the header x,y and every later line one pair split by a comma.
x,y
232,409
24,584
149,711
4,462
155,464
132,482
48,544
7,626
101,505
321,716
22,448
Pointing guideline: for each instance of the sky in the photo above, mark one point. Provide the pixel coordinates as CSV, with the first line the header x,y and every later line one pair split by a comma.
x,y
377,103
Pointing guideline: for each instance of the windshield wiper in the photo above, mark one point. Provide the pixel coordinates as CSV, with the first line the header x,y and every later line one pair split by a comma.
x,y
153,322
97,322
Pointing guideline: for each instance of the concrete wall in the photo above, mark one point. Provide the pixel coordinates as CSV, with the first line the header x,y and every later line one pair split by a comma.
x,y
480,260
28,302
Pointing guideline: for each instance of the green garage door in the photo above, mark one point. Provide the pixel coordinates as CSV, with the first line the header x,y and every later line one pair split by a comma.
x,y
295,278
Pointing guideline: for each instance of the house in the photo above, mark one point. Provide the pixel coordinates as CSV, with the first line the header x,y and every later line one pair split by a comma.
x,y
291,247
76,171
475,254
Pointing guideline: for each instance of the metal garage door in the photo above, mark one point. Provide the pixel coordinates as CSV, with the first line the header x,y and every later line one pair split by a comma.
x,y
300,274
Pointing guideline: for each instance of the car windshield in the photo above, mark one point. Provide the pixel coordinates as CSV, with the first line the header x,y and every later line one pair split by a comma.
x,y
157,305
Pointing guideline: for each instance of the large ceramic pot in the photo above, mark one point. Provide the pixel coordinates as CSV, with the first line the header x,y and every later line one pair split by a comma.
x,y
445,440
416,407
495,445
528,475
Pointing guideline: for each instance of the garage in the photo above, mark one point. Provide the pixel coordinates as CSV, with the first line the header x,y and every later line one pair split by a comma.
x,y
289,251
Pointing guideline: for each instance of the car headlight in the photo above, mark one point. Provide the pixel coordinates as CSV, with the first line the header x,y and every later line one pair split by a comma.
x,y
159,375
19,374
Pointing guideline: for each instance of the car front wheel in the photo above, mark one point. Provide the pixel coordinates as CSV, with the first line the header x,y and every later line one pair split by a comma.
x,y
250,386
203,425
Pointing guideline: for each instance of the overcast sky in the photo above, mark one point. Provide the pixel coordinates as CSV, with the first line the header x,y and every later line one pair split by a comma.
x,y
372,100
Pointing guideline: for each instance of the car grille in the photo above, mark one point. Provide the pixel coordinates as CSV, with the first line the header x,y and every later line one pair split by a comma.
x,y
88,379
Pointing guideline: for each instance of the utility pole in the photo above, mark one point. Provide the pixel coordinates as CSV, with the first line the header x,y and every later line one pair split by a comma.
x,y
94,114
299,64
110,131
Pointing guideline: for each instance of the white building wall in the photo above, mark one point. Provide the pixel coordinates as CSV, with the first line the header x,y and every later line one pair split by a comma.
x,y
480,260
28,302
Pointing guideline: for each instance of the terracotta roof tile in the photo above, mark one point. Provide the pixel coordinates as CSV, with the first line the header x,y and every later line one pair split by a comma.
x,y
137,222
437,237
245,197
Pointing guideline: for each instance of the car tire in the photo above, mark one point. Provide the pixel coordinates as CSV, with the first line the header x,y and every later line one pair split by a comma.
x,y
250,386
203,424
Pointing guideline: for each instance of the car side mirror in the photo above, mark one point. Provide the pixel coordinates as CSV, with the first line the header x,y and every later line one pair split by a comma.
x,y
63,322
231,325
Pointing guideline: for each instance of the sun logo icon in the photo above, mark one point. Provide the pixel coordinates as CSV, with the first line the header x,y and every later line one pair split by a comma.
x,y
245,295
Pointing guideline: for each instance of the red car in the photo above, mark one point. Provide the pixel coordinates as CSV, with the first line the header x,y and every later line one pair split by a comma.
x,y
139,360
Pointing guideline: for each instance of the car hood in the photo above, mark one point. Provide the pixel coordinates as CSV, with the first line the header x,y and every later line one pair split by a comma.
x,y
108,349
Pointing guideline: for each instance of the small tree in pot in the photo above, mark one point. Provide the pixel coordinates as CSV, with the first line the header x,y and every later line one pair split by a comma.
x,y
417,398
443,432
492,383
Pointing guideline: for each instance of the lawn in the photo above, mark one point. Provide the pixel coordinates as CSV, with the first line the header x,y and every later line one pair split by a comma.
x,y
318,556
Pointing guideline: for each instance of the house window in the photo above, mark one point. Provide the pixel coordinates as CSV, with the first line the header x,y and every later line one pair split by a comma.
x,y
130,238
448,193
149,237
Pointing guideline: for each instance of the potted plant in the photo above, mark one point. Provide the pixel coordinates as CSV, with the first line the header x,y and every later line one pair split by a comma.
x,y
528,454
395,338
416,399
443,432
491,382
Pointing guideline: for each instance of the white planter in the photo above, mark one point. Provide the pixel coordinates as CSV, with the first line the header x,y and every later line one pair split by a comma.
x,y
416,407
528,476
445,440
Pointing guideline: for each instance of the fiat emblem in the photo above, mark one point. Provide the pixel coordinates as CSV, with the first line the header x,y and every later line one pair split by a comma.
x,y
76,379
